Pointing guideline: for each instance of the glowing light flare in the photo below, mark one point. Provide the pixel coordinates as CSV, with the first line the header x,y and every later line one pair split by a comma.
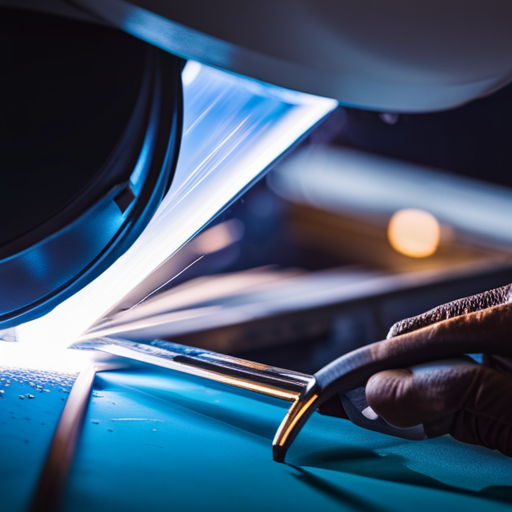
x,y
40,357
233,129
415,233
190,72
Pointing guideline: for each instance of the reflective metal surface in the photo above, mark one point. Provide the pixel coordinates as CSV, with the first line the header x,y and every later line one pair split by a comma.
x,y
299,388
259,378
294,420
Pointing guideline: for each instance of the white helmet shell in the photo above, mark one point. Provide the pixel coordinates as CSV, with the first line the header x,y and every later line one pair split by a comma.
x,y
385,55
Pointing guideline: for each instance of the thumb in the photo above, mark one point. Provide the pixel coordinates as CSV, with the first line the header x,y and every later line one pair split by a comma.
x,y
472,403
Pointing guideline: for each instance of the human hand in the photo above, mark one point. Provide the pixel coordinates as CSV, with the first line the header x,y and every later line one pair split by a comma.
x,y
472,403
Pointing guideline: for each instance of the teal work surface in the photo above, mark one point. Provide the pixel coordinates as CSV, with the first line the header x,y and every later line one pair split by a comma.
x,y
163,442
31,403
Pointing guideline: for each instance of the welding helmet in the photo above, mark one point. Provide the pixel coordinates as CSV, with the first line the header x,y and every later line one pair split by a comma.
x,y
115,165
389,56
91,129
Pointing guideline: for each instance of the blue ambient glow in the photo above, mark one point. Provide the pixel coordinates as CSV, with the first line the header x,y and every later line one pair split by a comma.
x,y
148,147
233,130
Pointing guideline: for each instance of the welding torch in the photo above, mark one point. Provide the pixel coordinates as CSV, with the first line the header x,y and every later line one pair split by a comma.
x,y
435,343
416,384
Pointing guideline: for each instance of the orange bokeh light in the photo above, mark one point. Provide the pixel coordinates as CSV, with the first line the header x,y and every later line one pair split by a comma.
x,y
415,233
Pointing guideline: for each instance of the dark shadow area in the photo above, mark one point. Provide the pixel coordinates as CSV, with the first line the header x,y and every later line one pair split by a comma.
x,y
67,92
325,487
390,468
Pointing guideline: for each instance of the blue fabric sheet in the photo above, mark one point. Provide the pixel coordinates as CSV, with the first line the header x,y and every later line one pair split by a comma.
x,y
160,442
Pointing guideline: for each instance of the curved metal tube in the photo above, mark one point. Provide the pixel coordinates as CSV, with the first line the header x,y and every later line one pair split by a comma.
x,y
451,338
